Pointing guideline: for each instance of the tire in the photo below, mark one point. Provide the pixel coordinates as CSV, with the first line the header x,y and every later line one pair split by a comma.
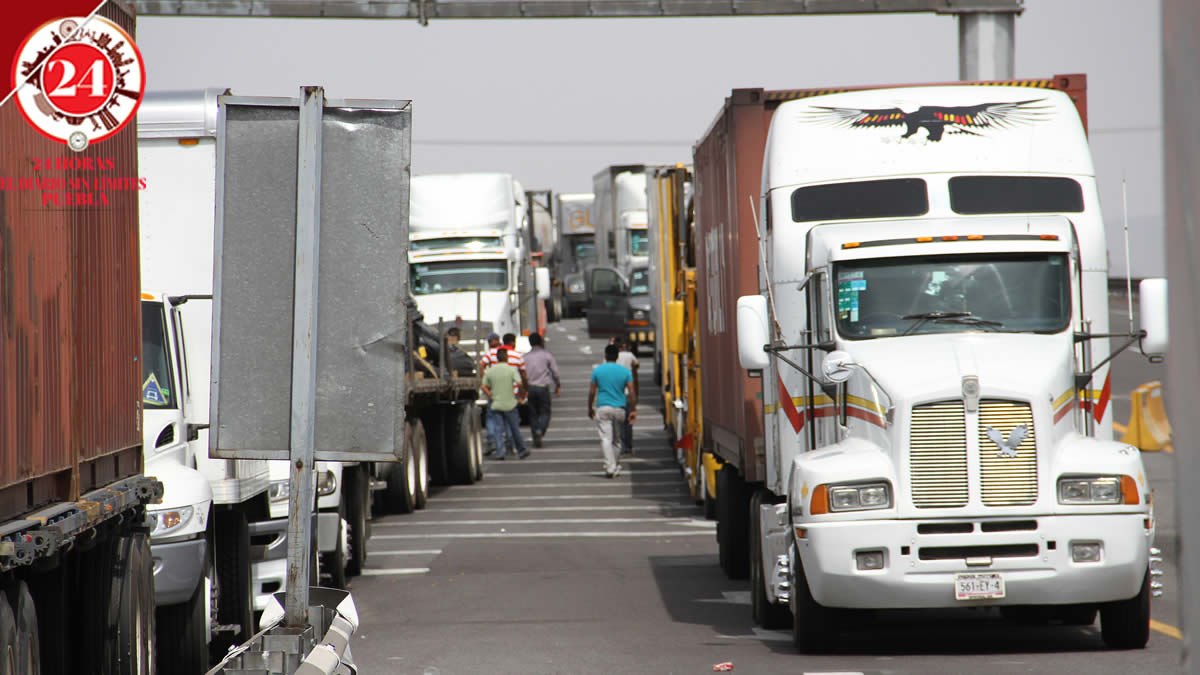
x,y
29,652
436,457
401,480
8,639
421,496
477,440
335,561
766,613
456,441
129,642
814,628
235,596
733,507
1125,624
185,625
356,495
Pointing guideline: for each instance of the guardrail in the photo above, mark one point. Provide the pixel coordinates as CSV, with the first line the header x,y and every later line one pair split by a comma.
x,y
295,650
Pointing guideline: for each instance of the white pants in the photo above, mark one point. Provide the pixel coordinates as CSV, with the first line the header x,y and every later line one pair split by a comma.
x,y
607,417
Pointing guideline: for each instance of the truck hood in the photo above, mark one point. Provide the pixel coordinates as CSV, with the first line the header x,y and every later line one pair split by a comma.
x,y
493,307
923,368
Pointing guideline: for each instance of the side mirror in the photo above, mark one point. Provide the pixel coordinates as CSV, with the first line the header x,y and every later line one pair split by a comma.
x,y
1152,305
753,332
541,280
836,366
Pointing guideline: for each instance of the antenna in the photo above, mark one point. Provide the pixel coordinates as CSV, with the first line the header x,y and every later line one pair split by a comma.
x,y
762,261
1128,278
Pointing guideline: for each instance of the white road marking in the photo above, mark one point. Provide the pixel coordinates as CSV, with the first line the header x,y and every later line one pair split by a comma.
x,y
539,509
573,338
539,521
394,571
597,458
428,551
623,495
511,486
586,349
522,474
730,598
550,535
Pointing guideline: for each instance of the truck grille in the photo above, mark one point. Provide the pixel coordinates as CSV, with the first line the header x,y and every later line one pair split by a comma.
x,y
938,455
1007,481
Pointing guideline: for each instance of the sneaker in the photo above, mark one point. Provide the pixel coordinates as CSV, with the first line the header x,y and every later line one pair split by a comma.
x,y
617,472
523,455
537,441
499,458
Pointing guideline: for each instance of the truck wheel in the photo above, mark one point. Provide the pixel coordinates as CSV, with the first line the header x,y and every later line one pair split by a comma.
x,y
8,639
475,415
436,457
733,506
335,561
423,478
130,644
357,497
766,613
29,654
460,452
186,627
402,478
814,628
235,594
1125,624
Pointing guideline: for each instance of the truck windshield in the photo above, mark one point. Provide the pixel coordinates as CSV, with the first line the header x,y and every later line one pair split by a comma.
x,y
639,281
1011,293
157,384
473,243
449,276
639,242
583,247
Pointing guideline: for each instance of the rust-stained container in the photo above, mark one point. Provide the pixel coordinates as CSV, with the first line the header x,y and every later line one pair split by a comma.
x,y
70,326
728,178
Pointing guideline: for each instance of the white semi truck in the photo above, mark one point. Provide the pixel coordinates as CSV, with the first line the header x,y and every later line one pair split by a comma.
x,y
929,332
620,219
575,251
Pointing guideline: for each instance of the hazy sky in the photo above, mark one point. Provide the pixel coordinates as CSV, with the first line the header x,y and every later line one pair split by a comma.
x,y
555,100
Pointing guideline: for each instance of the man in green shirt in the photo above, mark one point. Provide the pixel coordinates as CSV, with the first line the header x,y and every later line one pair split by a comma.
x,y
503,383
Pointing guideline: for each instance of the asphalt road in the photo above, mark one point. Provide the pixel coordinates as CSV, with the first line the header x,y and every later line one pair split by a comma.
x,y
546,566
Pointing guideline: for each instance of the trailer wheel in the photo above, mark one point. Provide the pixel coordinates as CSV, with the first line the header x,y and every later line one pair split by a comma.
x,y
8,639
130,643
766,613
1125,624
402,478
477,440
814,628
460,452
235,596
733,507
421,497
335,560
357,497
436,456
187,625
29,654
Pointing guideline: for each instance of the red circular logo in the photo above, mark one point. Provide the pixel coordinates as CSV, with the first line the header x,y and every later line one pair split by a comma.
x,y
79,80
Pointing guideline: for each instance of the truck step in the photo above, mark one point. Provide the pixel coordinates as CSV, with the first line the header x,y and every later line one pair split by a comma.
x,y
378,485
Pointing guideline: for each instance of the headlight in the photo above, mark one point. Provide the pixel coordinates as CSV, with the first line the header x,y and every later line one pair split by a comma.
x,y
279,490
167,521
860,497
1098,490
326,483
639,314
575,287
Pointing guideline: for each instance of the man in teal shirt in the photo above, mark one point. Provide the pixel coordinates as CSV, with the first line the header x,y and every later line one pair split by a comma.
x,y
611,384
501,383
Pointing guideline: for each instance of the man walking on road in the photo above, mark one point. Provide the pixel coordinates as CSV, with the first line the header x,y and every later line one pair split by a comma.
x,y
610,390
628,359
499,383
542,371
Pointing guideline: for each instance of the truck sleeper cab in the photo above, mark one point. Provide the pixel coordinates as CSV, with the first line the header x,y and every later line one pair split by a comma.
x,y
939,424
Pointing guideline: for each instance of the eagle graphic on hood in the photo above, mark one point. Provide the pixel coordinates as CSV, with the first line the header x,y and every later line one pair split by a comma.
x,y
936,120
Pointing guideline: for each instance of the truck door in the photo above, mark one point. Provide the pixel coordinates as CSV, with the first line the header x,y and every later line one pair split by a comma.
x,y
609,300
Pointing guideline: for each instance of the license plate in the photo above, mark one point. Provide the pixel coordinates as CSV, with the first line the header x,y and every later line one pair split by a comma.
x,y
977,586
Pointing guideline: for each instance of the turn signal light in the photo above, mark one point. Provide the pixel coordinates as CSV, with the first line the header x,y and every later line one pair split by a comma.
x,y
820,501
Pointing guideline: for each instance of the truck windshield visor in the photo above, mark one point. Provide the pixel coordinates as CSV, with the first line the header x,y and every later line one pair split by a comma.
x,y
639,242
452,276
158,389
639,282
889,198
1009,293
471,243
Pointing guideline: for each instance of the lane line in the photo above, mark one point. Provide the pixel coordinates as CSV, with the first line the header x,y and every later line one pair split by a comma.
x,y
394,571
682,521
539,509
552,535
427,551
1166,629
625,472
623,495
513,486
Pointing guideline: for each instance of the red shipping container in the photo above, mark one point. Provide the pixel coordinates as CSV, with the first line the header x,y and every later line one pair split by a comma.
x,y
728,177
70,322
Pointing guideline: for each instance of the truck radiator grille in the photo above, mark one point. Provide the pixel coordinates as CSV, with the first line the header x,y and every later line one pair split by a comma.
x,y
938,455
1007,480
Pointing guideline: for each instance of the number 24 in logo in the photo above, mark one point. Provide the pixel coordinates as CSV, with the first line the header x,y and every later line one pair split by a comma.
x,y
79,80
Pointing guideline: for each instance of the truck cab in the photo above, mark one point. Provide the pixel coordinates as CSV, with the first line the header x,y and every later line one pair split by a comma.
x,y
932,336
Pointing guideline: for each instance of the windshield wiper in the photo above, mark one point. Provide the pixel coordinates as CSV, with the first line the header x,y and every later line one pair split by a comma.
x,y
970,321
929,316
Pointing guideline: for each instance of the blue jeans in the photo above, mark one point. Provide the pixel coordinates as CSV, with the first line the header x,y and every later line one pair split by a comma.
x,y
508,424
539,404
495,431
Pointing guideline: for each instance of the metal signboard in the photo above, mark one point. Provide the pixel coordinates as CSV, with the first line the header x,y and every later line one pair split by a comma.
x,y
310,279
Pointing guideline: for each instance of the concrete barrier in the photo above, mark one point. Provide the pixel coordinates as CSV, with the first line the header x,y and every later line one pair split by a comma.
x,y
1148,428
